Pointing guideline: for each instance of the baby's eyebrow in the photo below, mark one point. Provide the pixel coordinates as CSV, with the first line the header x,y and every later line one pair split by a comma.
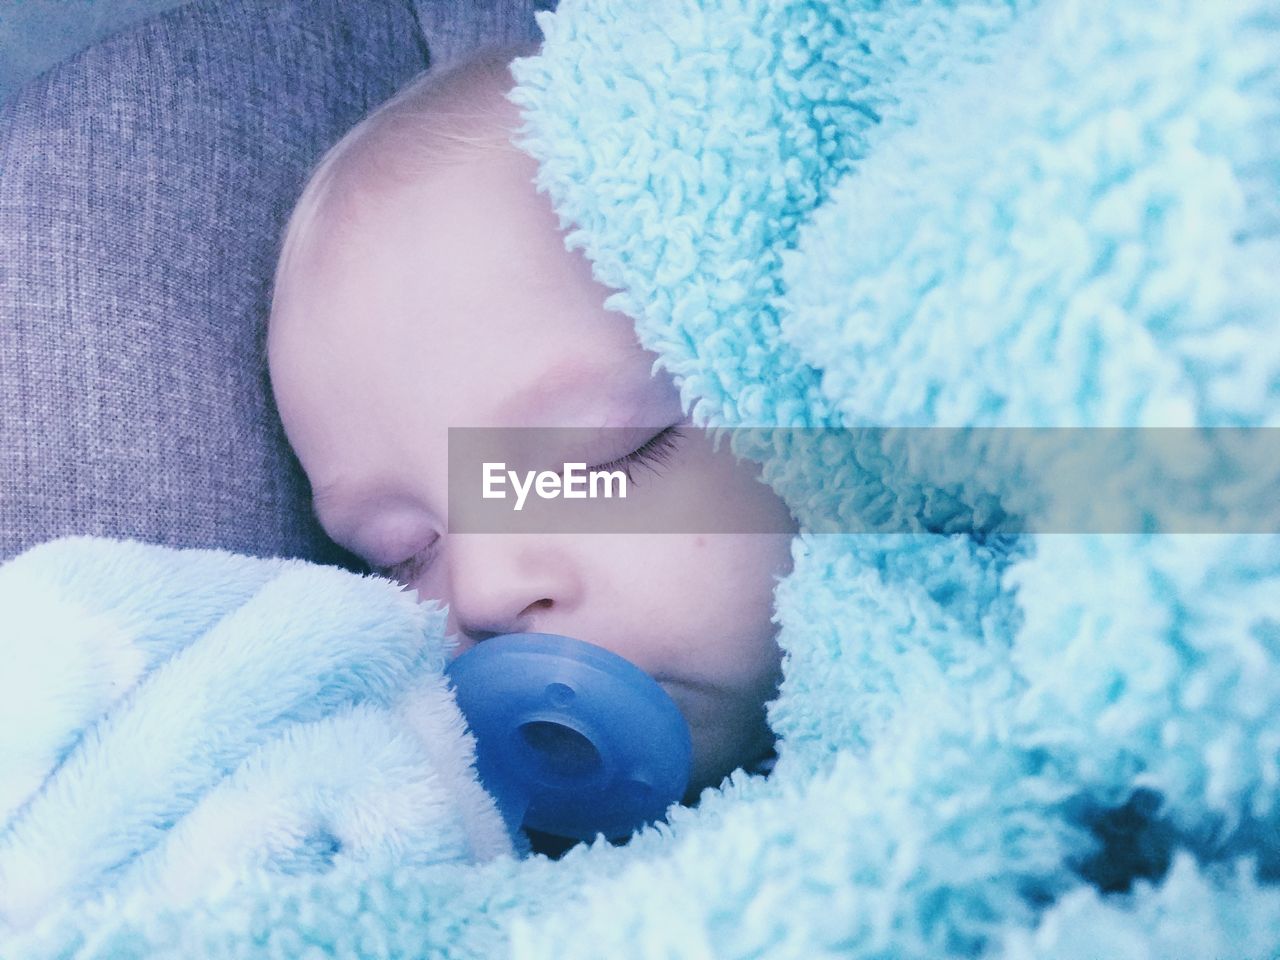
x,y
321,497
340,526
615,385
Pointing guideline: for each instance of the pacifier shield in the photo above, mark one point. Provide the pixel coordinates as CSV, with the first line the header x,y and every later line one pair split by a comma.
x,y
571,739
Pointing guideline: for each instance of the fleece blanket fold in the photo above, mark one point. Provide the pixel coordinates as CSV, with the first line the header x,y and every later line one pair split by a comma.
x,y
846,213
172,718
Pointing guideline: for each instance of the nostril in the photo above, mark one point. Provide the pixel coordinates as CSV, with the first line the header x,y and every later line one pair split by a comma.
x,y
534,617
526,621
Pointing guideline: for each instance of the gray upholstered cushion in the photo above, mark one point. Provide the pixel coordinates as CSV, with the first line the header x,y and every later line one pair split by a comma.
x,y
454,28
143,186
36,34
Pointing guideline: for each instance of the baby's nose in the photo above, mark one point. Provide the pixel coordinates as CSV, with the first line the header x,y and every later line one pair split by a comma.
x,y
510,583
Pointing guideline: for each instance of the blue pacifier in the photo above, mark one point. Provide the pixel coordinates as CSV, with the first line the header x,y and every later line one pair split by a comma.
x,y
571,740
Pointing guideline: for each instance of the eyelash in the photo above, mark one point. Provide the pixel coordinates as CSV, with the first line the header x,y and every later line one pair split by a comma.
x,y
406,571
654,451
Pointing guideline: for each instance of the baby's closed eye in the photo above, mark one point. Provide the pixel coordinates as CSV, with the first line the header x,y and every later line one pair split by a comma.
x,y
653,453
409,569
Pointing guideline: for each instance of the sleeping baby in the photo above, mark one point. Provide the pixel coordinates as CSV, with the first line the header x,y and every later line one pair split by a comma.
x,y
424,284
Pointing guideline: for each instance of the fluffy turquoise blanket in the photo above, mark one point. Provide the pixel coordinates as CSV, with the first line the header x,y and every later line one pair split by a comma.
x,y
825,214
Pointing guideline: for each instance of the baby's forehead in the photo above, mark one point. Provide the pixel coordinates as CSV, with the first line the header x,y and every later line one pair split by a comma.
x,y
447,251
481,203
441,125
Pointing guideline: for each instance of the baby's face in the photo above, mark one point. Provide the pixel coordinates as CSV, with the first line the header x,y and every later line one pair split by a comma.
x,y
453,302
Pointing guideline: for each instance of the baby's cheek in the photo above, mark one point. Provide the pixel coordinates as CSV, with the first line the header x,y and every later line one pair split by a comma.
x,y
683,580
725,582
747,566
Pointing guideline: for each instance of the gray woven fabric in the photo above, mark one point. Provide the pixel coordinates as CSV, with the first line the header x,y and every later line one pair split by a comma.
x,y
143,186
36,34
454,28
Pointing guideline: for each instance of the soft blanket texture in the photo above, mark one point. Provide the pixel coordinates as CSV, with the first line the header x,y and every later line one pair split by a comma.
x,y
170,718
846,213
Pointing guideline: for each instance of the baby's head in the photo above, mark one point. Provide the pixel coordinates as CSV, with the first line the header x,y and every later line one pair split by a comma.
x,y
424,284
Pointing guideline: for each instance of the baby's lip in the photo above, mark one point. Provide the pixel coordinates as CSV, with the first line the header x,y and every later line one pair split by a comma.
x,y
684,683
